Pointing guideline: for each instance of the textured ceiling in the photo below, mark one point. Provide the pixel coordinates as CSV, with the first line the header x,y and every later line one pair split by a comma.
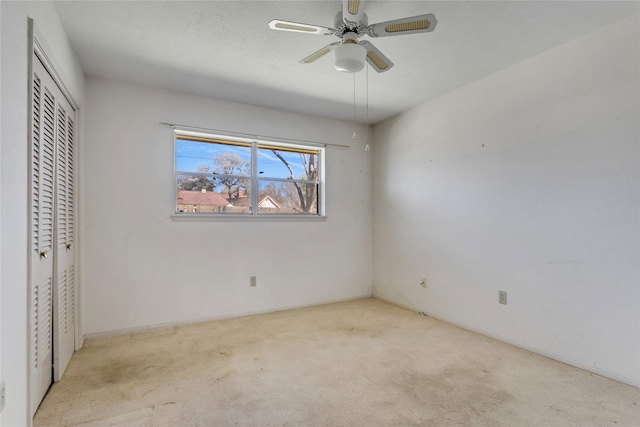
x,y
224,49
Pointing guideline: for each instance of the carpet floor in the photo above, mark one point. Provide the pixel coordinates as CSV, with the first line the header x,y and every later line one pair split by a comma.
x,y
357,363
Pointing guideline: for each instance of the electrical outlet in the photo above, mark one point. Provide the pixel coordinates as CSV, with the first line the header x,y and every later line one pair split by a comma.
x,y
252,281
2,395
502,297
423,282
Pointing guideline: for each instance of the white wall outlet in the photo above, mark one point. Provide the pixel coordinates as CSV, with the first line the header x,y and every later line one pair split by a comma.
x,y
502,297
423,282
2,395
252,281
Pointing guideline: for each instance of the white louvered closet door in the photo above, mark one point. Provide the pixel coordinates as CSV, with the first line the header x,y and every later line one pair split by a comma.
x,y
64,292
52,275
42,188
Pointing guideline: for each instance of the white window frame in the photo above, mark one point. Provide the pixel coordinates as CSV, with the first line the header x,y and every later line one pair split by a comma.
x,y
254,179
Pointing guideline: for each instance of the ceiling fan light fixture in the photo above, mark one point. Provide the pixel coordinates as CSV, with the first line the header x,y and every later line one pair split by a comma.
x,y
350,57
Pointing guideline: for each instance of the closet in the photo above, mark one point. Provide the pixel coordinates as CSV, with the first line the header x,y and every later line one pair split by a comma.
x,y
52,232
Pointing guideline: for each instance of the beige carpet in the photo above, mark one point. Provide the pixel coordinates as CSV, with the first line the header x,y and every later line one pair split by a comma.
x,y
359,363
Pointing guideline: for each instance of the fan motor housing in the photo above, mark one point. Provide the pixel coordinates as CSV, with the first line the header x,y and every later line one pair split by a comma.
x,y
342,26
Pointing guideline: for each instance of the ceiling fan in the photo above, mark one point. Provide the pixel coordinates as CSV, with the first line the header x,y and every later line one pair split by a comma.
x,y
352,23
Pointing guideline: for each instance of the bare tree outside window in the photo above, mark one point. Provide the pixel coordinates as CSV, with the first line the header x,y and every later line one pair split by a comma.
x,y
231,164
306,193
196,183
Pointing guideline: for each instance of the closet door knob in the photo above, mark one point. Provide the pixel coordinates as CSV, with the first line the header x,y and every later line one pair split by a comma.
x,y
44,254
68,246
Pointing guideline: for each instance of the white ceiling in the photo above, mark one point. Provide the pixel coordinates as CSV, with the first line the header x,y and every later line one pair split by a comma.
x,y
224,49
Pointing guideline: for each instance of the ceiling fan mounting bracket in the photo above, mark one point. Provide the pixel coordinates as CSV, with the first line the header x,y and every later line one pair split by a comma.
x,y
343,26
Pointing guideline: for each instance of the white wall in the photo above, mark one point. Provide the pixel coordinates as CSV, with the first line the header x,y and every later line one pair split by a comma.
x,y
13,199
13,128
144,269
526,181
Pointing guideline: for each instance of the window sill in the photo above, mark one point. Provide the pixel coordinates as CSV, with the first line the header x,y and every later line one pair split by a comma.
x,y
186,217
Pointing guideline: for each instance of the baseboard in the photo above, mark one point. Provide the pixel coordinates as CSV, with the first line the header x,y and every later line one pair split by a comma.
x,y
556,357
145,328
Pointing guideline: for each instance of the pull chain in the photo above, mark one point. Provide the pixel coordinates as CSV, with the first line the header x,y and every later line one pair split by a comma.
x,y
355,135
366,120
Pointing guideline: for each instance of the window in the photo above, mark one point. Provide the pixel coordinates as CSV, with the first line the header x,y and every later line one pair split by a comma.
x,y
219,175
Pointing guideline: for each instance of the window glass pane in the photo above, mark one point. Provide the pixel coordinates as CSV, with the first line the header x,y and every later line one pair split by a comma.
x,y
287,197
275,163
208,157
212,195
215,175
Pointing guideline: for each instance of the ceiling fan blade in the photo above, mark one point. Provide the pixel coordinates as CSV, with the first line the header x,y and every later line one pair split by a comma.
x,y
353,10
297,27
320,53
412,25
375,58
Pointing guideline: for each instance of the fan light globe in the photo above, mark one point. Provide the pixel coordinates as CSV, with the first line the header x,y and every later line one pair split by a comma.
x,y
350,57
